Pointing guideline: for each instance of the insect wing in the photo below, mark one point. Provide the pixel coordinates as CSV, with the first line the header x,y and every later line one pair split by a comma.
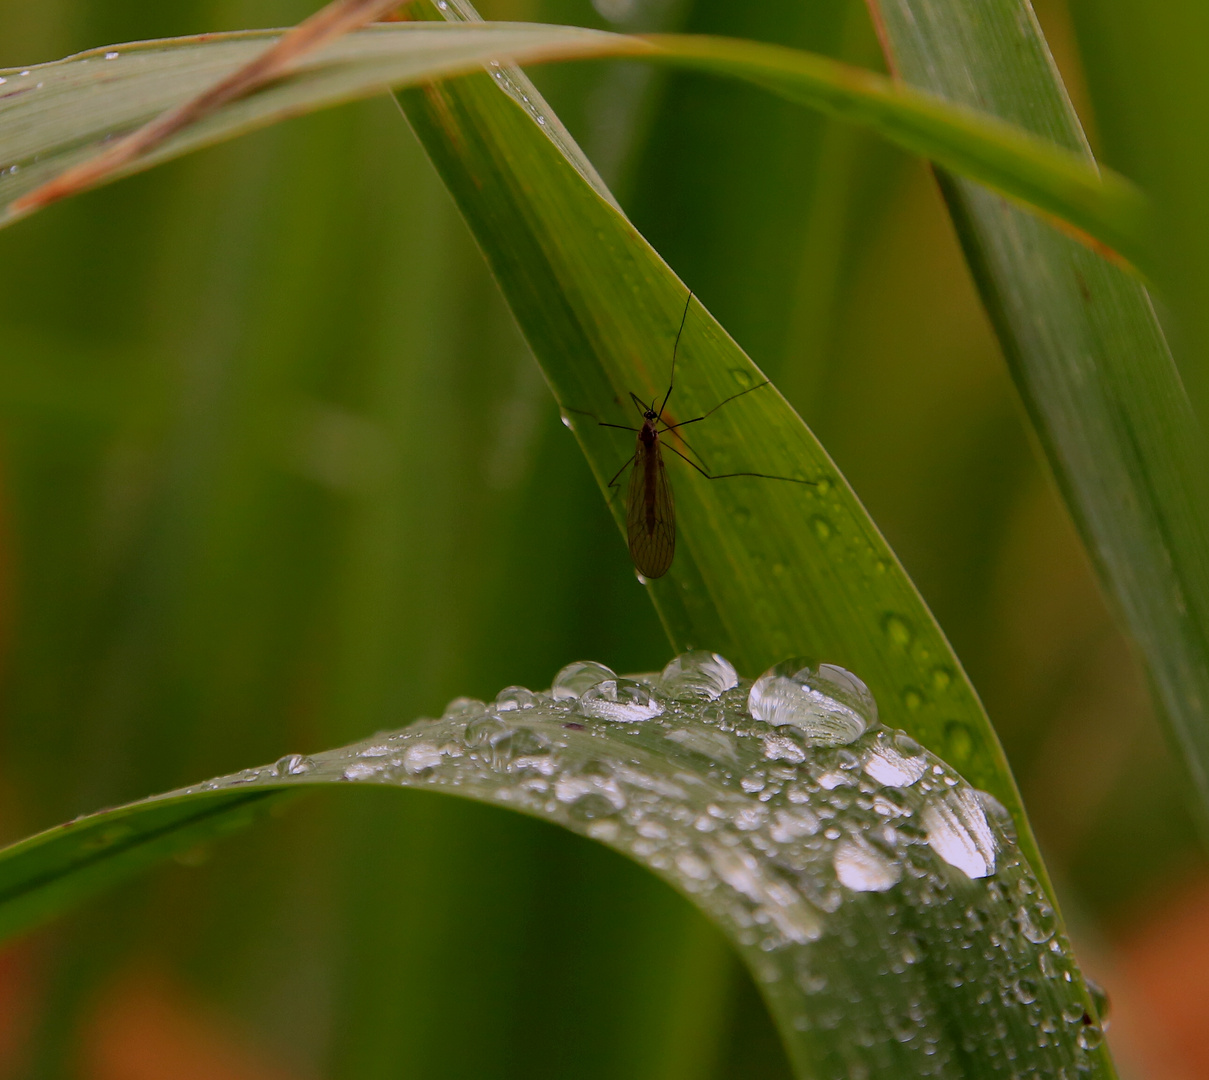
x,y
650,513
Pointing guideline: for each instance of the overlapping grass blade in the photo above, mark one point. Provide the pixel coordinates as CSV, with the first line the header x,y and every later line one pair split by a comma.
x,y
57,116
1087,355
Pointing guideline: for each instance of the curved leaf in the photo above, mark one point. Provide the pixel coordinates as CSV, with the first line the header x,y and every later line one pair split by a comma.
x,y
879,901
54,117
1089,358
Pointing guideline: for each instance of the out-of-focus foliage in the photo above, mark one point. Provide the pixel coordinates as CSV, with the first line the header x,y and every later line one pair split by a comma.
x,y
277,471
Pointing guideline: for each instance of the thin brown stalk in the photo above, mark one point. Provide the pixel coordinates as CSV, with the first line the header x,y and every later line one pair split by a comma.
x,y
336,19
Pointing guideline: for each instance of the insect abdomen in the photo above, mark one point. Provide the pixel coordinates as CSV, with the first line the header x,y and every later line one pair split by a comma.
x,y
650,512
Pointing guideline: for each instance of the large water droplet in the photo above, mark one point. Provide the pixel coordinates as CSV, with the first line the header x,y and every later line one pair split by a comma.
x,y
621,700
829,705
958,832
889,766
577,677
699,674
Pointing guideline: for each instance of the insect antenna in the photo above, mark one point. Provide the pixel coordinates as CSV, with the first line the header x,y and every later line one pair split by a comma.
x,y
671,379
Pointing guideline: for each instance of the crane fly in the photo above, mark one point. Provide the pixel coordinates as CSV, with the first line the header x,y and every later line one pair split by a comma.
x,y
650,505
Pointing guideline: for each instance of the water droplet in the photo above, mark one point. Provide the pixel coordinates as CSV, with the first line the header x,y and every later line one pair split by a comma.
x,y
376,751
590,795
715,745
699,674
1038,922
577,677
692,867
421,757
1091,1036
3,80
998,813
822,527
109,56
741,376
829,705
912,699
293,765
568,423
862,868
958,832
790,825
464,709
898,630
620,700
512,698
1025,991
1101,1000
486,730
362,770
888,766
785,747
518,747
823,486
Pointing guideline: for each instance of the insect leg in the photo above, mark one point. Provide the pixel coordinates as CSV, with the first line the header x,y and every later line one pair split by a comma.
x,y
617,474
724,401
728,475
687,446
621,427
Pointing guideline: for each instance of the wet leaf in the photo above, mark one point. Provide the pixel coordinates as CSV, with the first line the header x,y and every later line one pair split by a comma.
x,y
880,901
55,117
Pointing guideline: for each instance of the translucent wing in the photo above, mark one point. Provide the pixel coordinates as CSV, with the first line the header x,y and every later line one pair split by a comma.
x,y
650,513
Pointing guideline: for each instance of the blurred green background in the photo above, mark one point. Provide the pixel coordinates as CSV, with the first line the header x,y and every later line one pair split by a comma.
x,y
277,471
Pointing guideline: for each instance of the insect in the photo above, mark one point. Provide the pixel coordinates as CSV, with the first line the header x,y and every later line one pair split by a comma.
x,y
650,505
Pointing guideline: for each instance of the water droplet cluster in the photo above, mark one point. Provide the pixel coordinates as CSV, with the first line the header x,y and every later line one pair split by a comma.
x,y
880,900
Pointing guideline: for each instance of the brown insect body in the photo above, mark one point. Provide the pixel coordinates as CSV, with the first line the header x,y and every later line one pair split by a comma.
x,y
650,508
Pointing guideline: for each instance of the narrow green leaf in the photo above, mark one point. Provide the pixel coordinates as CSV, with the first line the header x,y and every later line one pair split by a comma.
x,y
764,569
1087,355
59,115
879,901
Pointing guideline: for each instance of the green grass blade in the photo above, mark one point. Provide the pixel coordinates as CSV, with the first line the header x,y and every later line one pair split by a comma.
x,y
843,866
1087,355
764,569
58,115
